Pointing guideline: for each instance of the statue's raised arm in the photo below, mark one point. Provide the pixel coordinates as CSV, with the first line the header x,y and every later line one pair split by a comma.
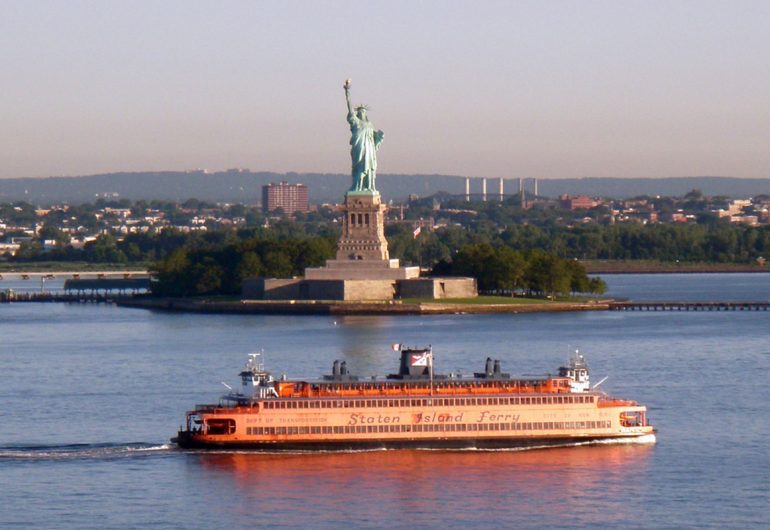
x,y
346,86
364,142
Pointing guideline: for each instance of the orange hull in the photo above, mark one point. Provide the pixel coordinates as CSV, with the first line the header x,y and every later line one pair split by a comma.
x,y
421,420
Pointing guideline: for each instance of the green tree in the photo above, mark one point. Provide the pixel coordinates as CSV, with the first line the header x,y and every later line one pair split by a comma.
x,y
173,274
29,251
208,276
277,264
249,265
597,286
49,231
578,279
547,274
104,250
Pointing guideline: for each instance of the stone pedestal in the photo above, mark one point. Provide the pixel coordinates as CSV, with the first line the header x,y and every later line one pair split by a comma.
x,y
363,228
337,269
362,251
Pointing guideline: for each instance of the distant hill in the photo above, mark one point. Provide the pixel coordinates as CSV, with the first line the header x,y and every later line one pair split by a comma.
x,y
231,186
245,186
619,188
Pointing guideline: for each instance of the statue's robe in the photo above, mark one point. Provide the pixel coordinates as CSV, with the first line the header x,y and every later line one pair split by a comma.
x,y
364,141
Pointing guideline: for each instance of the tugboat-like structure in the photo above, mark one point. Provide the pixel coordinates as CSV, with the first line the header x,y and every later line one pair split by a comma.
x,y
413,408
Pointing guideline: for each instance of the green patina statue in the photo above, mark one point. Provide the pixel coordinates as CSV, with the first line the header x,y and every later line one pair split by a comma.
x,y
364,142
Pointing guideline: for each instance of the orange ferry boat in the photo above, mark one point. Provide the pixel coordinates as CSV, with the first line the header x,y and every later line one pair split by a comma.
x,y
412,409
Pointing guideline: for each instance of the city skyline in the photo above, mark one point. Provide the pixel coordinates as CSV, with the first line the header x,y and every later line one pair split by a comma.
x,y
556,90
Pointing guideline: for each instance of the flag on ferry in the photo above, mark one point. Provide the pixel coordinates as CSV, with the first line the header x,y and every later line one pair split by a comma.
x,y
424,358
396,347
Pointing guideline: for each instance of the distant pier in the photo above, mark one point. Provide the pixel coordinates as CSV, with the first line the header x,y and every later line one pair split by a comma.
x,y
689,306
81,297
22,275
105,287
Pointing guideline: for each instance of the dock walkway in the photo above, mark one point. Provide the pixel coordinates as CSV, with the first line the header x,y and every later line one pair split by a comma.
x,y
689,306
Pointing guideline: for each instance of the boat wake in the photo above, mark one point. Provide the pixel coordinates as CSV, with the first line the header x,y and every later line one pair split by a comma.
x,y
647,439
80,451
637,440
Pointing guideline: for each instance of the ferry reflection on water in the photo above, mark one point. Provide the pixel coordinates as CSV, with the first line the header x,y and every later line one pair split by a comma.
x,y
572,478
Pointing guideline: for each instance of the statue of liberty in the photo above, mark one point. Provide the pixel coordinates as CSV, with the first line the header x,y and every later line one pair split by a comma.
x,y
364,142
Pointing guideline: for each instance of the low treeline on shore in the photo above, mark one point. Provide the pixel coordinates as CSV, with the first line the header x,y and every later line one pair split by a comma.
x,y
668,267
697,243
536,259
220,269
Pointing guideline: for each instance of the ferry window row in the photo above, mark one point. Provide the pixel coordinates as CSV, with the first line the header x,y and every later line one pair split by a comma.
x,y
427,402
431,427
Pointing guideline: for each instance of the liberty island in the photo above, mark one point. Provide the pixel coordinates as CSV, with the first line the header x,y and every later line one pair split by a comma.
x,y
362,268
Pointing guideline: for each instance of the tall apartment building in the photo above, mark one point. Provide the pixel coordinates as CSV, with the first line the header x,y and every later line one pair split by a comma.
x,y
291,198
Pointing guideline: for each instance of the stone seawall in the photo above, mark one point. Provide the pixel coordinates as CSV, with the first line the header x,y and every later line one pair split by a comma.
x,y
289,307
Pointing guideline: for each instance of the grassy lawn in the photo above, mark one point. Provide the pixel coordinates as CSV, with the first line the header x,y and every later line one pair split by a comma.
x,y
480,300
506,300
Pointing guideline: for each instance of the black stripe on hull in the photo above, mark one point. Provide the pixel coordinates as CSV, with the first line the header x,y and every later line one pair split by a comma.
x,y
188,442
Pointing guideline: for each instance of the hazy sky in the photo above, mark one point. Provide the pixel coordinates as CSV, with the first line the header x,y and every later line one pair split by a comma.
x,y
511,89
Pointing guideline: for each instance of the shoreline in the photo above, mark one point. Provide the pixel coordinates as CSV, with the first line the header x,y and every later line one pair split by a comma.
x,y
647,267
301,307
591,266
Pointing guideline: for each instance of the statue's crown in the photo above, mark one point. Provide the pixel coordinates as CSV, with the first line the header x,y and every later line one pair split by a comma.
x,y
362,107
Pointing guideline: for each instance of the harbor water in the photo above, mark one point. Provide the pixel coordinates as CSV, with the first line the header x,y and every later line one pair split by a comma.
x,y
91,394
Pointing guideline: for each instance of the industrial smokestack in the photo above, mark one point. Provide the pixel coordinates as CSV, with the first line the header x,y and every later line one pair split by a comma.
x,y
502,189
467,189
484,189
534,183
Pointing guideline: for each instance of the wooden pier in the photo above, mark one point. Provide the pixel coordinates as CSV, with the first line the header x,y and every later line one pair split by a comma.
x,y
79,290
77,297
26,275
689,306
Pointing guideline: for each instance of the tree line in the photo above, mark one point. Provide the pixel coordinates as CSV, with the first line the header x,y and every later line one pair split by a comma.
x,y
219,269
719,242
199,268
505,270
498,224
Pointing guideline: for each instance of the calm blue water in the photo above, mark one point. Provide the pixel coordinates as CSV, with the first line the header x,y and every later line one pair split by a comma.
x,y
91,393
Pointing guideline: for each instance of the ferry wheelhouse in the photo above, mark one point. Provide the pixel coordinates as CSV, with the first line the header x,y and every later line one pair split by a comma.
x,y
413,408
